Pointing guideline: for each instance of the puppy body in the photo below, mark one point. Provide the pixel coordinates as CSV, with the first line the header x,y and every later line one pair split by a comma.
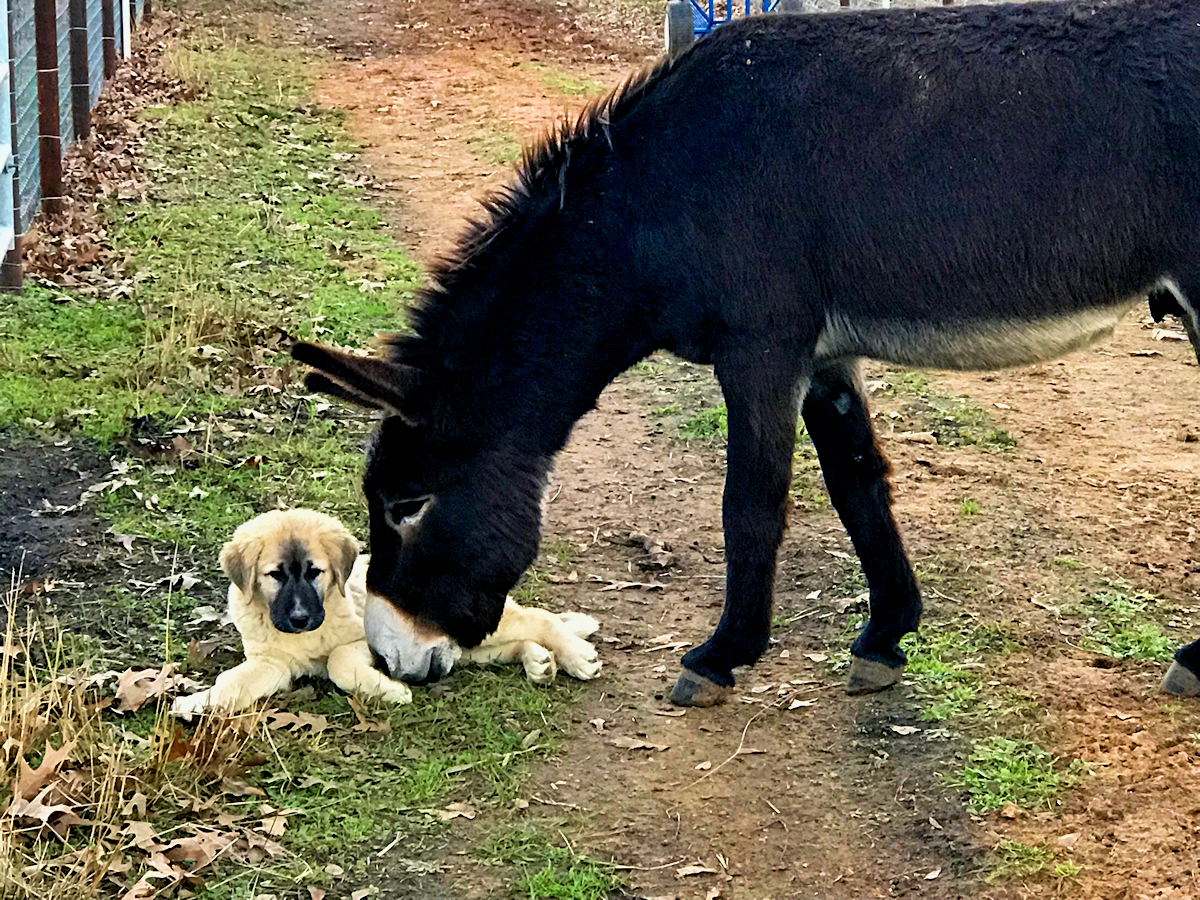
x,y
297,595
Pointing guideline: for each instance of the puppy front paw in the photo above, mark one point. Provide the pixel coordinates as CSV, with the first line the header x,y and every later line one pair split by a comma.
x,y
397,692
540,666
191,705
579,659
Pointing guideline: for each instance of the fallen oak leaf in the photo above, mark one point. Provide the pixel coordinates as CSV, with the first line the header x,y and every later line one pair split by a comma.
x,y
31,781
56,816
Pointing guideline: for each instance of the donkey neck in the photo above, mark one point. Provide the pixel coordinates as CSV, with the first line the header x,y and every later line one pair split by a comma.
x,y
531,342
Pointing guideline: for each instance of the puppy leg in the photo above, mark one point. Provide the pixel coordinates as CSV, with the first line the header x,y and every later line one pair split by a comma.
x,y
557,634
579,624
352,668
239,688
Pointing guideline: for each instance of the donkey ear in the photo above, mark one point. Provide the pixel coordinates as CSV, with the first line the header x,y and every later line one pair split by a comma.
x,y
366,380
323,384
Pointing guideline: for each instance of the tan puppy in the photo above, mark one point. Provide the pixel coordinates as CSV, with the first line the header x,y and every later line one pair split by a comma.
x,y
297,593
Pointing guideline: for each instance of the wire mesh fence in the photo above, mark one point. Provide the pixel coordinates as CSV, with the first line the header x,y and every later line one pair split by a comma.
x,y
59,54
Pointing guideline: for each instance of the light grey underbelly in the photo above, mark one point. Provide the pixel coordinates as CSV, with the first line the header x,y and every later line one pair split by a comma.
x,y
977,344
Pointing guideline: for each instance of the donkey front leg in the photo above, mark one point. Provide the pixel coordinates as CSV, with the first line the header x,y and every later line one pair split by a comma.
x,y
856,476
762,434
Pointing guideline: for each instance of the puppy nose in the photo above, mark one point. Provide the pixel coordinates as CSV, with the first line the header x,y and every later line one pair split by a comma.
x,y
299,620
437,668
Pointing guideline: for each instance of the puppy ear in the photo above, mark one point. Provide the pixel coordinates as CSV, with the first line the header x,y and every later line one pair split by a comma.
x,y
342,555
239,559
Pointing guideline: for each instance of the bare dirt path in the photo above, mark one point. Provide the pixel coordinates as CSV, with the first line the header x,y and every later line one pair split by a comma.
x,y
828,798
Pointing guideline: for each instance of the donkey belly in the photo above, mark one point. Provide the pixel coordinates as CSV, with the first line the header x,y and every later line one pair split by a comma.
x,y
966,344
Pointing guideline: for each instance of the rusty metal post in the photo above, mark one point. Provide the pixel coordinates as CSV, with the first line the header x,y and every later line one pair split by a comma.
x,y
12,272
109,28
50,149
81,91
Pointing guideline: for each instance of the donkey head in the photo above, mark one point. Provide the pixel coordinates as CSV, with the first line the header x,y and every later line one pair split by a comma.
x,y
454,520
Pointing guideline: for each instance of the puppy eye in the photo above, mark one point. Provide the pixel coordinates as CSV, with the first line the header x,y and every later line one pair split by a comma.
x,y
312,573
278,575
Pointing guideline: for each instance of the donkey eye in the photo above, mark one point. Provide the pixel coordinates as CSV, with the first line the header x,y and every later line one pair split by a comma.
x,y
405,510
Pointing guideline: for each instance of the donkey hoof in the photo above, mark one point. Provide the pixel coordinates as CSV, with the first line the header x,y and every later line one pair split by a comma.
x,y
868,676
696,690
1181,681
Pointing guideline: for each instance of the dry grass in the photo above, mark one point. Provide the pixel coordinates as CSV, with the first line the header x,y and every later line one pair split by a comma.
x,y
80,787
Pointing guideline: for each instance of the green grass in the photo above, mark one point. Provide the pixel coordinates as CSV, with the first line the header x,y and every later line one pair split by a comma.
x,y
547,871
955,421
969,507
252,232
1067,869
944,661
1118,622
495,145
711,425
565,83
482,724
1013,859
1002,770
707,425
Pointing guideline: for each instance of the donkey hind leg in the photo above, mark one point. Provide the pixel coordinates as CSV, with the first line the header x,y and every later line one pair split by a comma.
x,y
1183,678
762,434
856,476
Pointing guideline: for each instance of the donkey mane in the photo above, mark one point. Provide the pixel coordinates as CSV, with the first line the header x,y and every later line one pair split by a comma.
x,y
567,154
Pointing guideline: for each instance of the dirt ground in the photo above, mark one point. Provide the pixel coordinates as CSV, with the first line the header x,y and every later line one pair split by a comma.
x,y
826,799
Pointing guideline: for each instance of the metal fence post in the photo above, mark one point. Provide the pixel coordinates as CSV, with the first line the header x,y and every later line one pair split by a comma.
x,y
12,272
50,150
110,38
80,89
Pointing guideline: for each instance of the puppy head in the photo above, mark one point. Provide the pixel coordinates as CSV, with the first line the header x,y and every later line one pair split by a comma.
x,y
290,560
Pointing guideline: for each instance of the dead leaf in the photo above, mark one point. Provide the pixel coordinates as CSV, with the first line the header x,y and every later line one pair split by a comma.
x,y
316,893
797,704
1069,840
297,722
455,811
31,781
137,686
934,874
333,870
704,766
125,540
364,893
198,650
905,729
56,816
365,724
917,437
135,806
631,585
687,871
629,743
1010,810
598,724
817,657
142,833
